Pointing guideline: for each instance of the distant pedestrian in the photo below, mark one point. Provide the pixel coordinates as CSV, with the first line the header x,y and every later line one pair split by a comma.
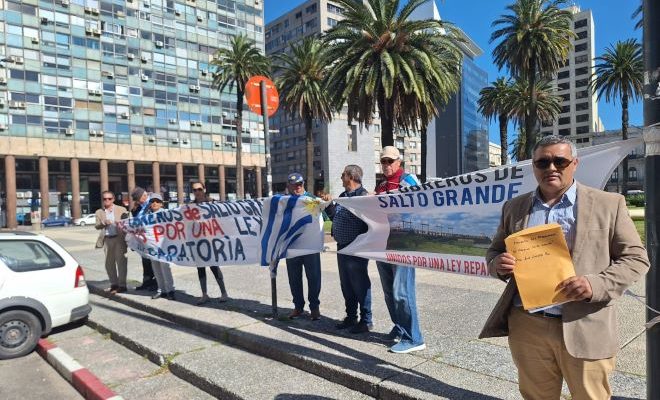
x,y
353,272
141,199
398,281
311,262
111,239
199,192
161,269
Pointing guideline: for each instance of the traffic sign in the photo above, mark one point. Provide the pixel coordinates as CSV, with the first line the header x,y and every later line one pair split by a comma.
x,y
253,95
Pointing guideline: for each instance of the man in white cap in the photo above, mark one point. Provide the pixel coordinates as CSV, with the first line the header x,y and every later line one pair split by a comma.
x,y
398,281
311,262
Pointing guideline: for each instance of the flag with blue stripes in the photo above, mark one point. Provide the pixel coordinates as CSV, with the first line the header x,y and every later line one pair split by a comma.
x,y
293,226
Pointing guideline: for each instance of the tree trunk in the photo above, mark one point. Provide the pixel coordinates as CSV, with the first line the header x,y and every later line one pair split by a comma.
x,y
385,109
240,192
424,152
624,136
309,142
503,140
530,121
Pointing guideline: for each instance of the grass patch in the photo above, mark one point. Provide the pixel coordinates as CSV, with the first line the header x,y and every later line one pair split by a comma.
x,y
639,224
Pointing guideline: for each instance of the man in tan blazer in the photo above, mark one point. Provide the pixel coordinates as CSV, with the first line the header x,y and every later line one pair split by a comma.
x,y
576,341
113,241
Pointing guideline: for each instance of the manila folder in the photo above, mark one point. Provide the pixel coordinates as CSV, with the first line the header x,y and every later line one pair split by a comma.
x,y
542,262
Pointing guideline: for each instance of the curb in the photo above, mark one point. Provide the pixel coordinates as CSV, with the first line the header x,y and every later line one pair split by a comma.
x,y
86,383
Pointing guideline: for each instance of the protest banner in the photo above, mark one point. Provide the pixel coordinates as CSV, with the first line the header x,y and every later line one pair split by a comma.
x,y
228,233
448,224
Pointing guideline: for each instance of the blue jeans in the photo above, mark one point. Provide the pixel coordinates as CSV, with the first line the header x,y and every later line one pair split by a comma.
x,y
355,286
399,290
294,270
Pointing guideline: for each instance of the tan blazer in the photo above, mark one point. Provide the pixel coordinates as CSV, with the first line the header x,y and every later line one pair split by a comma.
x,y
100,217
607,250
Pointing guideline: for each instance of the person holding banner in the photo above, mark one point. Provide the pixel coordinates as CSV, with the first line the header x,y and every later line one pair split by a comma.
x,y
311,262
141,206
398,281
112,241
575,341
162,269
199,192
353,273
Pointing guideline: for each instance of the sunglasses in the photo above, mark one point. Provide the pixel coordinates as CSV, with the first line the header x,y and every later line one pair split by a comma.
x,y
198,189
558,162
108,198
387,161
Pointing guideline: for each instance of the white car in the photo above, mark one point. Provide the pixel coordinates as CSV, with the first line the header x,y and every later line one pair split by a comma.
x,y
89,219
41,287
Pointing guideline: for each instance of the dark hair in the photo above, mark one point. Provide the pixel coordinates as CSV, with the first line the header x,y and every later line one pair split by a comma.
x,y
554,139
354,172
200,182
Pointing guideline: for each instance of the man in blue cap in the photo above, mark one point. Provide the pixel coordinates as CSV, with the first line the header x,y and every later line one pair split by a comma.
x,y
311,262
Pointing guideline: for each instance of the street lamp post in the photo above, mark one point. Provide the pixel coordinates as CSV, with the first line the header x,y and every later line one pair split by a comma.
x,y
269,171
651,39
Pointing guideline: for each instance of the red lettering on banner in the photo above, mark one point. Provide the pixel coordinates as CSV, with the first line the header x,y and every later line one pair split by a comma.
x,y
173,231
191,214
455,266
207,229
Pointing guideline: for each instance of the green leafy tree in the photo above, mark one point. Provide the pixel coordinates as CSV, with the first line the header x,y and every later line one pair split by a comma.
x,y
535,41
495,102
234,66
301,82
381,58
619,74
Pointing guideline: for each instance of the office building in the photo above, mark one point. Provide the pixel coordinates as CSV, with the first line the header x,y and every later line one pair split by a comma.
x,y
336,144
579,109
98,95
458,137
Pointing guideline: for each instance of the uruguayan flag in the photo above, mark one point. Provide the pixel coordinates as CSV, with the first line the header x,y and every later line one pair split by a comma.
x,y
293,226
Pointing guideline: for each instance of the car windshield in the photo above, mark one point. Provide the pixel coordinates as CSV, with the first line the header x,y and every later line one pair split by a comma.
x,y
28,255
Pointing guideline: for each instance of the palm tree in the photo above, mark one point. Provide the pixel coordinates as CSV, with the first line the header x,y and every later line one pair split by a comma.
x,y
234,67
518,146
638,15
301,75
495,102
382,58
536,39
619,73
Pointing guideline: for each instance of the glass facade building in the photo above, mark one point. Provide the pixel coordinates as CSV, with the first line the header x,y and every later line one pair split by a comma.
x,y
98,95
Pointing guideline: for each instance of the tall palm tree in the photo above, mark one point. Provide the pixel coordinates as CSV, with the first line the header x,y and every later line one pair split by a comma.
x,y
383,58
234,66
548,103
638,16
301,81
495,102
518,146
619,74
536,39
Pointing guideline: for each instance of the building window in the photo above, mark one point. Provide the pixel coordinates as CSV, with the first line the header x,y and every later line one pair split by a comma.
x,y
580,47
310,24
582,118
580,23
581,83
582,106
581,59
632,173
615,176
565,109
582,35
335,9
332,22
564,120
563,75
311,9
564,85
582,129
566,97
581,71
583,94
565,132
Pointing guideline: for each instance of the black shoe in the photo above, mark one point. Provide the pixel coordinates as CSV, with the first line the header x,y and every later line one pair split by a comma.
x,y
346,323
158,295
170,296
361,327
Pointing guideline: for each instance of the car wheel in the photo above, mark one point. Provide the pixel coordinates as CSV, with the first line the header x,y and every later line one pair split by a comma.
x,y
19,333
82,223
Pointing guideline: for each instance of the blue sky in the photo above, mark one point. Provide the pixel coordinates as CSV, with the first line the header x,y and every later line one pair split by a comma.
x,y
611,18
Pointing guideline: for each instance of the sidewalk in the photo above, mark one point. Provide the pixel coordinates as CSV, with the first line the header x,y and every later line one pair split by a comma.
x,y
452,311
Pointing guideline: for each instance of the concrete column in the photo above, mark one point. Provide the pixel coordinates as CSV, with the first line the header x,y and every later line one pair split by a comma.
x,y
257,171
179,183
155,172
201,174
43,185
130,171
75,187
221,182
10,190
103,169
